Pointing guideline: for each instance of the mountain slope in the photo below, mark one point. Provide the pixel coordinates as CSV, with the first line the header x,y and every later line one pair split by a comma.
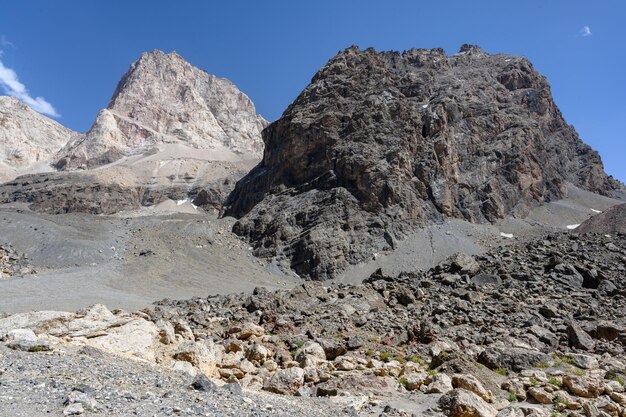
x,y
381,142
163,99
28,140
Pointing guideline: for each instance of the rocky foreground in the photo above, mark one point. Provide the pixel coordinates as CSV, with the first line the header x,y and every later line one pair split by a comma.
x,y
531,329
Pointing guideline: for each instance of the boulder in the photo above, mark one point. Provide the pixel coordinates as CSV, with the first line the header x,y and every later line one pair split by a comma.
x,y
285,381
513,359
583,386
470,383
463,403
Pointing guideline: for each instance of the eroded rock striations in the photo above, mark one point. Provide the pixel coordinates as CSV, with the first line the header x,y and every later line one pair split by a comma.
x,y
27,138
164,99
379,142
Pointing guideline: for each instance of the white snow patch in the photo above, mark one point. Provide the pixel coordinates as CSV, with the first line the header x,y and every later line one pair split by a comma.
x,y
507,60
572,226
424,106
596,211
507,235
194,206
180,202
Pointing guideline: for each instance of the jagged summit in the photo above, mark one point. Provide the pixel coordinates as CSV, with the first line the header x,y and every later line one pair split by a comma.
x,y
382,141
163,99
28,140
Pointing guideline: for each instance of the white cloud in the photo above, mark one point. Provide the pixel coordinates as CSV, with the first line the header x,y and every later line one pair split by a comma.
x,y
13,87
585,31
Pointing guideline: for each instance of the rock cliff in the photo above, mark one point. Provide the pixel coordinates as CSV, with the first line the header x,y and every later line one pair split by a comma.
x,y
381,142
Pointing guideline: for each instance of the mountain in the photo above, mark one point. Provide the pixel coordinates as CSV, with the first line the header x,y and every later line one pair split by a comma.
x,y
28,140
379,143
163,99
170,132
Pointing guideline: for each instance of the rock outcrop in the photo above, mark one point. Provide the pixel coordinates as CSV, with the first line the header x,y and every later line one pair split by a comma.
x,y
163,99
611,221
28,139
379,142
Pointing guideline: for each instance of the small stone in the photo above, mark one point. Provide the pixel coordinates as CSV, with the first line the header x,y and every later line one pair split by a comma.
x,y
202,383
73,409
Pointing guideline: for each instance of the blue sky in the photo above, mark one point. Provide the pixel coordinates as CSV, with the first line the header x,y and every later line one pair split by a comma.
x,y
71,53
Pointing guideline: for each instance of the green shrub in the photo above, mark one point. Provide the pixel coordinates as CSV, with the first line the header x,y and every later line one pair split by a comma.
x,y
512,396
501,371
554,382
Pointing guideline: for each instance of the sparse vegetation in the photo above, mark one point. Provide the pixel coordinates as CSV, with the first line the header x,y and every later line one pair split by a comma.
x,y
432,372
619,380
501,371
36,349
385,356
512,396
542,365
554,381
403,381
534,381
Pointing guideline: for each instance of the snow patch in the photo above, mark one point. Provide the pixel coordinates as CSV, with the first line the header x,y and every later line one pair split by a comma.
x,y
596,211
424,106
507,235
572,226
180,202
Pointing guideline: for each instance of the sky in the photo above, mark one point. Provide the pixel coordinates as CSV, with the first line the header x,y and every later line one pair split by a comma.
x,y
64,58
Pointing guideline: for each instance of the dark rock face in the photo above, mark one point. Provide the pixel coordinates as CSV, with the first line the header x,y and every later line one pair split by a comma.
x,y
379,142
611,221
57,193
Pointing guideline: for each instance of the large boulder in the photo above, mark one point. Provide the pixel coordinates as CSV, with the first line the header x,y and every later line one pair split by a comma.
x,y
285,381
463,403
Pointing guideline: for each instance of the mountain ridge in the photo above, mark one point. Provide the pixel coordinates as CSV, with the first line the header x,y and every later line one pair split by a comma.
x,y
381,141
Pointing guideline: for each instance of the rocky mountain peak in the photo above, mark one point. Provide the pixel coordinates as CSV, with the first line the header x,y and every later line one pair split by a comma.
x,y
163,99
28,140
381,142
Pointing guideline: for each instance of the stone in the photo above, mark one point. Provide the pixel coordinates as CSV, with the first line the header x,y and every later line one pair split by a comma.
x,y
510,412
470,383
257,352
584,361
26,340
441,383
540,395
248,330
136,338
204,355
513,359
310,354
463,264
462,403
578,338
202,383
583,386
285,381
73,409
